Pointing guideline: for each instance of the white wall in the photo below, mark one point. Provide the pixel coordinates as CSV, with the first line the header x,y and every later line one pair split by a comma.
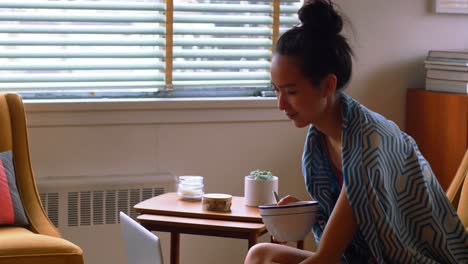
x,y
225,141
391,41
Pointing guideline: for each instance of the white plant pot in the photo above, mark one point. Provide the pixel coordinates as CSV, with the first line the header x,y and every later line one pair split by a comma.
x,y
258,192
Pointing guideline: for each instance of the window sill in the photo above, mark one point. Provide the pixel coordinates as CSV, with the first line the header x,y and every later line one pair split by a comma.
x,y
86,112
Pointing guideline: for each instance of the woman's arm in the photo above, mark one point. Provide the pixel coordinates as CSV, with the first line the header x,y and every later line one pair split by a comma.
x,y
338,233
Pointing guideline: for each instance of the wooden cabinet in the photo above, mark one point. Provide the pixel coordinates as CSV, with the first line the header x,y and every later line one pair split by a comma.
x,y
439,123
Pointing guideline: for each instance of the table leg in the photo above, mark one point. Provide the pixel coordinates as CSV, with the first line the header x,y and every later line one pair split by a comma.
x,y
175,248
273,240
300,244
253,239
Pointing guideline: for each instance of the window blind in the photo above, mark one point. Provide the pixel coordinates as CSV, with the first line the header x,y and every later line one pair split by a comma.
x,y
128,45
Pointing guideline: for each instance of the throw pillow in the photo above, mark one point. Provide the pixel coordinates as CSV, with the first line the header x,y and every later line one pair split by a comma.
x,y
11,207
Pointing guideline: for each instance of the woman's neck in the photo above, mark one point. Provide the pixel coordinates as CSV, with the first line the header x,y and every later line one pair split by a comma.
x,y
331,123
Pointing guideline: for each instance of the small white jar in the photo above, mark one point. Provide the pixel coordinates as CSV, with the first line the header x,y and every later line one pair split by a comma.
x,y
190,187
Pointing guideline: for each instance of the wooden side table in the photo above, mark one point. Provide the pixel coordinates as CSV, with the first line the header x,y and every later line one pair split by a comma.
x,y
168,213
196,226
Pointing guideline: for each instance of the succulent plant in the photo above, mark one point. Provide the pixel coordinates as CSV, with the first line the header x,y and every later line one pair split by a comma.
x,y
261,174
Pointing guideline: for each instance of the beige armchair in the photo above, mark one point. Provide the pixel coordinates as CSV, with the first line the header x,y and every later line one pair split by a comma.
x,y
39,242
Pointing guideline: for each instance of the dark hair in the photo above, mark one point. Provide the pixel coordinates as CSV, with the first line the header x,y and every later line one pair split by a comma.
x,y
318,44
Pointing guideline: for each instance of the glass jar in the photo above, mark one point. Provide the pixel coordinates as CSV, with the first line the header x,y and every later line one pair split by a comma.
x,y
190,187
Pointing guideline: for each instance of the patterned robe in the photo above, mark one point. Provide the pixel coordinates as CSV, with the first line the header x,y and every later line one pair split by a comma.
x,y
403,214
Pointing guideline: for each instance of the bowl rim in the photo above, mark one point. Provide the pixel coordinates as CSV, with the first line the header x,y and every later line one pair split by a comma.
x,y
289,205
278,214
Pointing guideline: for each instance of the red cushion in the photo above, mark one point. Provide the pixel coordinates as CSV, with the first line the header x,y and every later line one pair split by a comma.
x,y
12,211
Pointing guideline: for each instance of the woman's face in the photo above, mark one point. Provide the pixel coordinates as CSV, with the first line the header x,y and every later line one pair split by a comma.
x,y
301,101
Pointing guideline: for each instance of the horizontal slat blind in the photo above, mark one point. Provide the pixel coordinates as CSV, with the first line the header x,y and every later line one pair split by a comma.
x,y
124,45
239,23
82,45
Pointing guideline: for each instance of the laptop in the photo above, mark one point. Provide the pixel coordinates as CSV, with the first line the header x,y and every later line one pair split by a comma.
x,y
141,246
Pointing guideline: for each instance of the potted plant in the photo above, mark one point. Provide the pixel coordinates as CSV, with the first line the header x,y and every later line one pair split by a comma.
x,y
259,186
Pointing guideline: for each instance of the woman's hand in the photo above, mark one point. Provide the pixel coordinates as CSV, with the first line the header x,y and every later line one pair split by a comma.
x,y
287,199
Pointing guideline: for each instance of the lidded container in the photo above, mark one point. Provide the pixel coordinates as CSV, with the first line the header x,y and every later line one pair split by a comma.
x,y
190,187
217,202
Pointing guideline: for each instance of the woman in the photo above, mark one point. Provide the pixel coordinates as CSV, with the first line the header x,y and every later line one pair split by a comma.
x,y
378,197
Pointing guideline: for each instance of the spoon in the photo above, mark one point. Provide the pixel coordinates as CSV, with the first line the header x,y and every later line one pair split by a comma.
x,y
276,196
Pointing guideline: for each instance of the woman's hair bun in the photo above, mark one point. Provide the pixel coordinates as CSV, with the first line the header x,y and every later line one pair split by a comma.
x,y
320,17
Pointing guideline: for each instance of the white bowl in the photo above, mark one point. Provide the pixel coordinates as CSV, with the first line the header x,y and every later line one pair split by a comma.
x,y
291,222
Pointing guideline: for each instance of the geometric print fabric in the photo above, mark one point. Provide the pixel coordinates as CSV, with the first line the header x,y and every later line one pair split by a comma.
x,y
403,214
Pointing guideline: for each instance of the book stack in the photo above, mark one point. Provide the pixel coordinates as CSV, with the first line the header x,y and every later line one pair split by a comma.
x,y
447,71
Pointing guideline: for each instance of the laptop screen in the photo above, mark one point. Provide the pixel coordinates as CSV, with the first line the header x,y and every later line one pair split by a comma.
x,y
141,246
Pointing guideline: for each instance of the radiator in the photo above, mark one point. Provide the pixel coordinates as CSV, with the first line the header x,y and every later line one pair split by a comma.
x,y
85,208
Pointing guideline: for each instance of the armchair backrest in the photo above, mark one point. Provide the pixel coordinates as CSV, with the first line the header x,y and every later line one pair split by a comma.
x,y
13,136
458,191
